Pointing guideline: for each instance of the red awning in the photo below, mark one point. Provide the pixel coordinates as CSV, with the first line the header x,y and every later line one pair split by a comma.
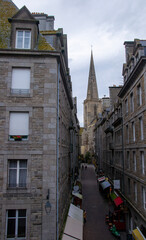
x,y
118,201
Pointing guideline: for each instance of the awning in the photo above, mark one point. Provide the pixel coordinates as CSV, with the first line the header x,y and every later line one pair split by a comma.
x,y
73,229
105,184
137,234
76,213
76,194
118,201
101,179
113,196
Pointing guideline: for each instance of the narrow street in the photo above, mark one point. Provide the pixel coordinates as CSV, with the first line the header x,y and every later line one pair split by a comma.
x,y
96,207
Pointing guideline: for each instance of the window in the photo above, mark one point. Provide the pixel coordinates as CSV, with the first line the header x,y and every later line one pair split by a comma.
x,y
17,173
20,80
129,186
142,162
143,197
23,39
16,224
127,133
135,192
139,95
131,102
133,131
141,128
19,126
134,161
126,106
128,160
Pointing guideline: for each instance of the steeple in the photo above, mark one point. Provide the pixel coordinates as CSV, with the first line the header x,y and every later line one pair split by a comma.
x,y
92,92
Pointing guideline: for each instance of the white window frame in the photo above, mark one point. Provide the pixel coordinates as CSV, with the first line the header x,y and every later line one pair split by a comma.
x,y
142,162
144,197
19,126
16,224
20,80
141,128
23,39
139,95
133,131
17,168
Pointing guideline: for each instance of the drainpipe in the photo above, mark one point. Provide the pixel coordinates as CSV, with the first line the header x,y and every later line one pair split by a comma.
x,y
57,205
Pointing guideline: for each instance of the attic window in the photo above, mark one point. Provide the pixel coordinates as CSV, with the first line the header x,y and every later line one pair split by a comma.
x,y
23,39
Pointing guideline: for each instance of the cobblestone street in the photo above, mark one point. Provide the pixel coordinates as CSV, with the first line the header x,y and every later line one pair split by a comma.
x,y
96,207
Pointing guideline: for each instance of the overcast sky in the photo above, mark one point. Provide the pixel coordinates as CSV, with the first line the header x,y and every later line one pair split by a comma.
x,y
104,24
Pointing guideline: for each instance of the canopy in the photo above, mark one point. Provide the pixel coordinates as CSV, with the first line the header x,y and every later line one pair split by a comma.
x,y
113,196
76,194
118,201
101,179
105,184
73,229
76,213
137,234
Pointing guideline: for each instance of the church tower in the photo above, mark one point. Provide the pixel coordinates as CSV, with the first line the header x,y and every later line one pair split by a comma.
x,y
92,106
91,103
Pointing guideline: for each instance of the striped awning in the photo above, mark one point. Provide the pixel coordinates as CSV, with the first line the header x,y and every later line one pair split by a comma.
x,y
101,179
137,234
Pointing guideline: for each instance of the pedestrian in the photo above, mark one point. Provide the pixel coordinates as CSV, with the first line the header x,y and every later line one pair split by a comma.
x,y
84,216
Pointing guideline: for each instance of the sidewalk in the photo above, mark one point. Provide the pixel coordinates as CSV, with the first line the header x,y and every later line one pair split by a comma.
x,y
96,207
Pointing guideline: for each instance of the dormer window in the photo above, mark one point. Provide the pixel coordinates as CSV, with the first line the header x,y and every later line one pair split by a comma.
x,y
23,39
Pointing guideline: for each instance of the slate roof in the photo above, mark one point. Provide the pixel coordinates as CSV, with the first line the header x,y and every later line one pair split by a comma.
x,y
7,10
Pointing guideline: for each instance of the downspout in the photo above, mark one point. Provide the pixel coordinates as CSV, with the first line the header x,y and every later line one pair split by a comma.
x,y
123,156
57,195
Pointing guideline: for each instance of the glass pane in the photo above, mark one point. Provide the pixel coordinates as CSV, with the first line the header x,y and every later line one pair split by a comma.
x,y
11,213
21,227
23,164
12,177
26,43
13,164
22,177
20,34
22,213
27,34
19,42
11,228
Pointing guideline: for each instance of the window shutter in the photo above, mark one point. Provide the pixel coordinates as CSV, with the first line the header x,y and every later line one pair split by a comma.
x,y
21,78
19,124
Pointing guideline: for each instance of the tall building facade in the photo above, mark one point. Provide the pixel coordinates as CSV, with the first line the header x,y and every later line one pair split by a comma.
x,y
36,118
123,134
92,106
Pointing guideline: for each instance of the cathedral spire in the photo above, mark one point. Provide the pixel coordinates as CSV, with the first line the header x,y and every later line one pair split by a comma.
x,y
92,92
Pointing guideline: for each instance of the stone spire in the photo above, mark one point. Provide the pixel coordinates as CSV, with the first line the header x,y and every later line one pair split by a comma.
x,y
92,92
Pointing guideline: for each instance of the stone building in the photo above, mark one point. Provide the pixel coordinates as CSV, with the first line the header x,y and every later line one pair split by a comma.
x,y
36,114
92,106
123,134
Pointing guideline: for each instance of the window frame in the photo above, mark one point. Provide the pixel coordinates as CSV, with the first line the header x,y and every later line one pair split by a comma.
x,y
141,128
17,168
23,39
16,218
20,90
132,102
142,162
18,137
134,161
139,95
133,131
